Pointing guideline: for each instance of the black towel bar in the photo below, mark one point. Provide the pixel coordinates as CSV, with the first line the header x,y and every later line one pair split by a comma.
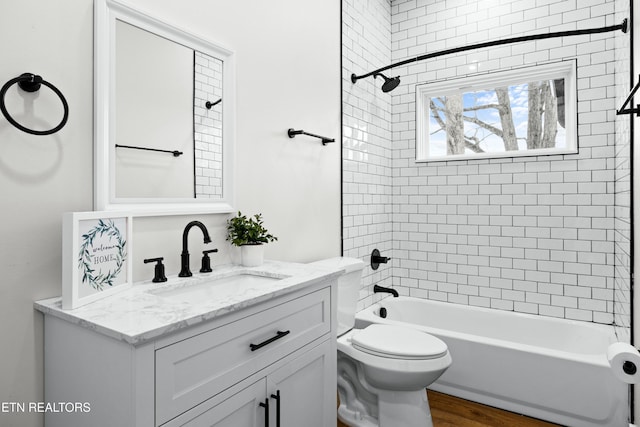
x,y
292,132
175,153
210,104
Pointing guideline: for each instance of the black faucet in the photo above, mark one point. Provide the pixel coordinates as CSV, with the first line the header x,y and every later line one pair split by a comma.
x,y
378,288
184,271
377,259
158,271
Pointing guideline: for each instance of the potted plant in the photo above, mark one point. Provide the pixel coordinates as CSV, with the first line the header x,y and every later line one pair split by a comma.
x,y
249,234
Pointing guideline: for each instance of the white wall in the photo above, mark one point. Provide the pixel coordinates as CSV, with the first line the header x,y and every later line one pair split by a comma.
x,y
40,177
288,63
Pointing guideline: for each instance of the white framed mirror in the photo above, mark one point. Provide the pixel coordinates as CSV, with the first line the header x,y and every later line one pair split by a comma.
x,y
164,106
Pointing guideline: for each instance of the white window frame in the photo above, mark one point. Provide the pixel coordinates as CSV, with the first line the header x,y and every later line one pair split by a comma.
x,y
557,70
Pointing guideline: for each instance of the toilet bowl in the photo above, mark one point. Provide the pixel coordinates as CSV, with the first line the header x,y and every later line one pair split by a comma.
x,y
383,370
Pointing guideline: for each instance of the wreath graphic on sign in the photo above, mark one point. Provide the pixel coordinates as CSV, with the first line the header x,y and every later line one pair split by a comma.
x,y
85,263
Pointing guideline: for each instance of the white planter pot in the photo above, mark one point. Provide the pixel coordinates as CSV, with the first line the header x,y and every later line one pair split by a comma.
x,y
252,255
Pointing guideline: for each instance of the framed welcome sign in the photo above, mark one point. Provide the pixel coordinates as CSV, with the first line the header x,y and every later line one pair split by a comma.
x,y
96,256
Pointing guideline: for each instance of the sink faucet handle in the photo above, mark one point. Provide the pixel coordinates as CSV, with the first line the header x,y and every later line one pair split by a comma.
x,y
159,269
206,261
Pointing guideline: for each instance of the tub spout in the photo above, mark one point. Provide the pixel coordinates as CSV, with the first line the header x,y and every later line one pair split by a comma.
x,y
378,288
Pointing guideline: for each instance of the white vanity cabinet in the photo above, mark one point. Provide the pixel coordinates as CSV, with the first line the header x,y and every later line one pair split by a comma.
x,y
299,393
269,364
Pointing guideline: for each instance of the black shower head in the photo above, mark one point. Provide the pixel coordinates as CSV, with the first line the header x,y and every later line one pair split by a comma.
x,y
389,83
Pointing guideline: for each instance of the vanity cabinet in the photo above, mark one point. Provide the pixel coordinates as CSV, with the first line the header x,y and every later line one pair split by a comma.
x,y
296,394
269,364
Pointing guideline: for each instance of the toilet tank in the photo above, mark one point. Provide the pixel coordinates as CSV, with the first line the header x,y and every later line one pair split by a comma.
x,y
349,285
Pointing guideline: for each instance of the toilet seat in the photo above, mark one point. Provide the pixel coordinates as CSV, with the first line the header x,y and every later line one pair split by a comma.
x,y
398,342
393,372
381,361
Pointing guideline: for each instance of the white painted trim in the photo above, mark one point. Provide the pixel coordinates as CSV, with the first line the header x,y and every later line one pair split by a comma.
x,y
106,13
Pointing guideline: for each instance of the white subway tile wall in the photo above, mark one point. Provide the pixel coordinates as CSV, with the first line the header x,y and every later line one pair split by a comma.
x,y
622,207
367,145
543,235
208,126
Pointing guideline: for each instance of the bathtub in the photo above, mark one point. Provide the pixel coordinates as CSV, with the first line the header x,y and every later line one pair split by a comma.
x,y
547,368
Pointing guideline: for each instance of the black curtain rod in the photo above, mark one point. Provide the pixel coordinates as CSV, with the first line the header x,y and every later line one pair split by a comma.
x,y
622,27
175,153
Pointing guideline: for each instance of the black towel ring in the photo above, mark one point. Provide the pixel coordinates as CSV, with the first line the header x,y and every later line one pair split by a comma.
x,y
31,83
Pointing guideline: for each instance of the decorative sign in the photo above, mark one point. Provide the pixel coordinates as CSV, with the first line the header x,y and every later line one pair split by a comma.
x,y
96,249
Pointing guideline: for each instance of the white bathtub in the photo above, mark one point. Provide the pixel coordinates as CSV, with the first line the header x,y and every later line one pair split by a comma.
x,y
548,368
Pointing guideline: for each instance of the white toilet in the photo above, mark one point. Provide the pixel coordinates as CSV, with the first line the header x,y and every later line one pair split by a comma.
x,y
383,370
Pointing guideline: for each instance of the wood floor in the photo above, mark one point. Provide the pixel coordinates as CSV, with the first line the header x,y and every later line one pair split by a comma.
x,y
449,411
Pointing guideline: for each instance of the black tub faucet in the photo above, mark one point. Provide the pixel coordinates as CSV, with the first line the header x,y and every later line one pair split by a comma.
x,y
184,271
377,259
378,288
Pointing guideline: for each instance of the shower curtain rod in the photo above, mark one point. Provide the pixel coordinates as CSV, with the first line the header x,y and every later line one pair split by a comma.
x,y
622,27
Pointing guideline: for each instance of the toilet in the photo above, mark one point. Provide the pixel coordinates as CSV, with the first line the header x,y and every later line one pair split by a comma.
x,y
383,370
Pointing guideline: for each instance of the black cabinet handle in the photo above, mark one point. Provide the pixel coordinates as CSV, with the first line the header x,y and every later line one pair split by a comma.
x,y
277,398
279,335
265,405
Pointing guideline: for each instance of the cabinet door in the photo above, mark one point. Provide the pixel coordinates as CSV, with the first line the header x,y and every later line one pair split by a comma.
x,y
245,408
305,390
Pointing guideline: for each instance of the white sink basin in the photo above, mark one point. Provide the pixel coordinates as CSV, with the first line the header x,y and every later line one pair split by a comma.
x,y
197,290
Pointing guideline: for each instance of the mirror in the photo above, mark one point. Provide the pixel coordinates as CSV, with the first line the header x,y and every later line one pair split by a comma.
x,y
164,106
165,110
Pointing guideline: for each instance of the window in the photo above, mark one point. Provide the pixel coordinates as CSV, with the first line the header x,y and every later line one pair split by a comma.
x,y
522,112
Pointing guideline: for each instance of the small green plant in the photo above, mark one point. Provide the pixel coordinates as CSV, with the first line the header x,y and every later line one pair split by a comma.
x,y
243,230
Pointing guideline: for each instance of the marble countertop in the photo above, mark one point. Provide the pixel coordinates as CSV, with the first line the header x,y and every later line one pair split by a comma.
x,y
146,311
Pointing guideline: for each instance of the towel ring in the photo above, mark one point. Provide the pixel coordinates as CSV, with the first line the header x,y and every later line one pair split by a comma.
x,y
31,83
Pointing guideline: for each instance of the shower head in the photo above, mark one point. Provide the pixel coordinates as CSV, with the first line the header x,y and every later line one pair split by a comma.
x,y
389,83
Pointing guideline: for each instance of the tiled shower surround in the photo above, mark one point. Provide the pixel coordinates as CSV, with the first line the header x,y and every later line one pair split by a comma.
x,y
546,235
367,140
207,126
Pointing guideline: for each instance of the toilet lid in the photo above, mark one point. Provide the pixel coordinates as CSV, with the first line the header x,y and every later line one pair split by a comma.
x,y
398,342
